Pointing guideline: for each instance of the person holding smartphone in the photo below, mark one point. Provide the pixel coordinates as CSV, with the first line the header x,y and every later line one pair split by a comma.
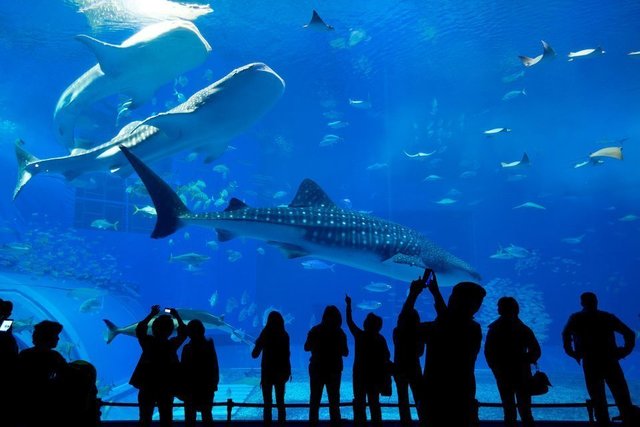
x,y
8,363
453,342
156,375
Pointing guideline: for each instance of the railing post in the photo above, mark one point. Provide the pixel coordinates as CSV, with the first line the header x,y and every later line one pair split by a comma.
x,y
229,409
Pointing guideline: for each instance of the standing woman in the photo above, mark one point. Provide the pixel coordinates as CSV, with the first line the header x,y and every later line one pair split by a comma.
x,y
201,375
510,349
327,343
273,343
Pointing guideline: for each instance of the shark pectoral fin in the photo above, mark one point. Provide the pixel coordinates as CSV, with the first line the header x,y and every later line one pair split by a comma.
x,y
235,204
224,235
290,251
169,123
405,259
111,57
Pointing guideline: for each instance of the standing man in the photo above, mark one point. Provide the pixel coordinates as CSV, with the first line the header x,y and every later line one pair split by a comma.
x,y
589,337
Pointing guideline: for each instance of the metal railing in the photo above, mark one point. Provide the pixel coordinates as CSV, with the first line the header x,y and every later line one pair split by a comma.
x,y
230,405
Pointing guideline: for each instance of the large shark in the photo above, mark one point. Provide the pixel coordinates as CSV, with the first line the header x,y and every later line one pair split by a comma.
x,y
204,123
210,322
137,67
312,225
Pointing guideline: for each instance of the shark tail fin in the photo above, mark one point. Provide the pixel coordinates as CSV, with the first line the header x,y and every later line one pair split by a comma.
x,y
112,330
169,207
24,160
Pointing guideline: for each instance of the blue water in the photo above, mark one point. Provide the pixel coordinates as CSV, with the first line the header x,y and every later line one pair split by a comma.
x,y
435,75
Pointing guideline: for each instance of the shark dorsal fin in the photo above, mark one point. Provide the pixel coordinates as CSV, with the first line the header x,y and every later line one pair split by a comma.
x,y
310,194
109,56
235,204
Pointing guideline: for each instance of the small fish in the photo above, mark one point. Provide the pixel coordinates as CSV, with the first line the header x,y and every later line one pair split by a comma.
x,y
531,205
586,53
635,54
522,162
222,170
212,244
628,218
244,299
332,115
573,240
147,210
288,318
446,201
260,250
369,305
191,157
207,76
513,95
468,174
279,194
590,162
513,77
315,264
347,203
517,251
377,166
91,305
338,124
213,299
233,256
357,36
356,103
420,154
103,224
495,131
329,140
181,81
501,254
186,235
378,287
432,178
190,258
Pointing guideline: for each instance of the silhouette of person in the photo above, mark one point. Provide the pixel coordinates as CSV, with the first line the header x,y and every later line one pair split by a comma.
x,y
156,374
8,365
589,337
201,375
327,343
370,367
453,341
39,370
273,344
408,348
81,406
510,349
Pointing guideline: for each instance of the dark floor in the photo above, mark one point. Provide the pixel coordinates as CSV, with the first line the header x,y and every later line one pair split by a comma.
x,y
345,424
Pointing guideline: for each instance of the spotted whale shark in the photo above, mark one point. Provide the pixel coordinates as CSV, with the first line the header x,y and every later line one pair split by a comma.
x,y
204,123
312,225
148,59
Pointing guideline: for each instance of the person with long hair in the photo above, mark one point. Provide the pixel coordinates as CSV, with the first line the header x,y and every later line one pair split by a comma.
x,y
273,344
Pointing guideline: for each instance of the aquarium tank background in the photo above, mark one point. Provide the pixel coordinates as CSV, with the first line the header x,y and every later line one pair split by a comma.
x,y
417,113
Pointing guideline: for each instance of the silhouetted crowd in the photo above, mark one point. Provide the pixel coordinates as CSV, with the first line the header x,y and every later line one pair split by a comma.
x,y
40,388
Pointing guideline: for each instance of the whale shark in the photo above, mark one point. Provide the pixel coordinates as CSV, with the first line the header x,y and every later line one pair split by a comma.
x,y
150,58
204,123
312,225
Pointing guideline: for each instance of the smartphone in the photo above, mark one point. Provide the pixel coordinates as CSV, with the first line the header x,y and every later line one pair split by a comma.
x,y
428,276
6,324
167,310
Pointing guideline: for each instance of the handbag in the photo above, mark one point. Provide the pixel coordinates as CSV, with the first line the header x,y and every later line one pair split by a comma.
x,y
539,383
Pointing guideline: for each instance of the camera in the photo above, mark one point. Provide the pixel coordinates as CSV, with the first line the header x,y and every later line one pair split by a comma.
x,y
167,310
6,324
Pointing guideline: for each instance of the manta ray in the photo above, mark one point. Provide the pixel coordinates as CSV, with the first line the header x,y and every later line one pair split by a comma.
x,y
312,225
136,68
204,123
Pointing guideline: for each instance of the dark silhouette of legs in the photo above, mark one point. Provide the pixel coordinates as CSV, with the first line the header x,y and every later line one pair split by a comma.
x,y
146,403
359,403
316,385
594,379
189,414
524,408
507,395
333,393
282,411
267,398
165,409
373,397
402,387
619,389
